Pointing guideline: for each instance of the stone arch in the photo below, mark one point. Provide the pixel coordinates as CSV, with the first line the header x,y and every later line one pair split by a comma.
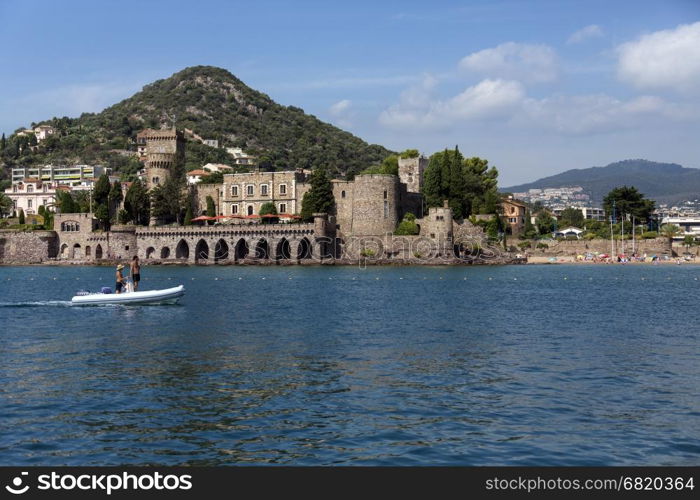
x,y
149,252
304,249
98,251
88,251
77,251
262,249
283,250
64,250
241,249
220,250
201,251
165,252
250,210
182,251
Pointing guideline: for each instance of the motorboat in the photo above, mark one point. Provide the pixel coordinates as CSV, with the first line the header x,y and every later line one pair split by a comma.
x,y
105,296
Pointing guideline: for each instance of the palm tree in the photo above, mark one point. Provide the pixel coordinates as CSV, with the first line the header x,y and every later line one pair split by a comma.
x,y
670,231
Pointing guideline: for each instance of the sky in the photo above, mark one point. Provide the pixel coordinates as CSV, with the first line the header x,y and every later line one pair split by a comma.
x,y
536,87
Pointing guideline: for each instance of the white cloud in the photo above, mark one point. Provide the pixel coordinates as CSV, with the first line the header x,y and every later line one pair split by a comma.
x,y
597,113
486,100
514,61
339,107
590,31
668,59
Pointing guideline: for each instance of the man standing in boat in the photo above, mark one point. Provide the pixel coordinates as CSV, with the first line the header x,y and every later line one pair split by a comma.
x,y
135,270
120,279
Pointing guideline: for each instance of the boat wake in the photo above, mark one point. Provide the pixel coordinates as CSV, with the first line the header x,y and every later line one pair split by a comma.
x,y
38,303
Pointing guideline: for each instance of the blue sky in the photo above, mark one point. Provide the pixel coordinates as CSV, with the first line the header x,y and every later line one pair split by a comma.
x,y
536,87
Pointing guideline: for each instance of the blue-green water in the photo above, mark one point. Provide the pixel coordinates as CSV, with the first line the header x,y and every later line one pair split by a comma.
x,y
525,365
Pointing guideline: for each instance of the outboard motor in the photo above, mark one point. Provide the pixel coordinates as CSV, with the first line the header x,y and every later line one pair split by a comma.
x,y
106,289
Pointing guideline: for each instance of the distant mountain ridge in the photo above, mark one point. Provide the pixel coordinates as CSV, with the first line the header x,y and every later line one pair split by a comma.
x,y
663,182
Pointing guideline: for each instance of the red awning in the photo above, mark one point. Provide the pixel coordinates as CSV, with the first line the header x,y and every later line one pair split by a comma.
x,y
202,217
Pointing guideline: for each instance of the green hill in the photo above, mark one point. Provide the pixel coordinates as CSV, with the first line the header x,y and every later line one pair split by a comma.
x,y
213,104
664,182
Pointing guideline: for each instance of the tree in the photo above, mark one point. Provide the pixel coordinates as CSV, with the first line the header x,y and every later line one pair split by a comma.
x,y
66,204
100,194
670,231
268,208
5,204
571,217
319,198
469,185
137,204
623,201
115,199
545,223
689,241
3,143
211,207
529,231
188,215
408,225
21,216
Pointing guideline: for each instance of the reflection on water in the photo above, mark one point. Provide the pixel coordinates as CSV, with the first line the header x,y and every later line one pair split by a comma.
x,y
392,366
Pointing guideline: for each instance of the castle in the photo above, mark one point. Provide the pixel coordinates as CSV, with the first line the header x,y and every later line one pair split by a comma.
x,y
367,212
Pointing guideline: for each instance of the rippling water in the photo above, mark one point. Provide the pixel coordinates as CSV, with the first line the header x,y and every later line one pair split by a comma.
x,y
526,365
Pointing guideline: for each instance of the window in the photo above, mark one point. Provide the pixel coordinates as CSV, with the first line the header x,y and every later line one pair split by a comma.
x,y
283,208
263,190
250,191
385,194
14,189
44,202
156,180
250,209
386,209
234,209
234,190
29,203
46,188
342,194
30,188
283,189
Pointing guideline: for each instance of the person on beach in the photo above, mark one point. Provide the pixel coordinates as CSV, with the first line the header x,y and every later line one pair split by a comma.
x,y
135,270
121,281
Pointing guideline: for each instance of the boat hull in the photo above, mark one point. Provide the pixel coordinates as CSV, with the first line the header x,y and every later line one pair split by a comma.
x,y
166,296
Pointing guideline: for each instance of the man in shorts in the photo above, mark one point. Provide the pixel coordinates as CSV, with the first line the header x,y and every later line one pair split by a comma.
x,y
135,272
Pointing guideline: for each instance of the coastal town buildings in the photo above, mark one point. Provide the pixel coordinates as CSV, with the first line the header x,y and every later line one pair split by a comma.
x,y
61,175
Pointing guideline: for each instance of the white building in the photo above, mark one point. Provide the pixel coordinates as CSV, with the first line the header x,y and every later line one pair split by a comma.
x,y
241,157
194,176
43,132
689,225
66,175
30,195
217,167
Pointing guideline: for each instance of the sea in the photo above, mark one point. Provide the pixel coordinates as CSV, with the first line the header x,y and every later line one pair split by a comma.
x,y
326,365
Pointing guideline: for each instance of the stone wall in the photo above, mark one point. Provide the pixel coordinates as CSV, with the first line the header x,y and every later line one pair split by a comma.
x,y
658,246
27,247
201,191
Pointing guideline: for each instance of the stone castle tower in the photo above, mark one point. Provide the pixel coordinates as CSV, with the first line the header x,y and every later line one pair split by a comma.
x,y
164,148
411,173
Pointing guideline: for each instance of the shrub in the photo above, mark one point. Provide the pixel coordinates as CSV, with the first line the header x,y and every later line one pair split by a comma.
x,y
368,252
524,244
650,235
542,246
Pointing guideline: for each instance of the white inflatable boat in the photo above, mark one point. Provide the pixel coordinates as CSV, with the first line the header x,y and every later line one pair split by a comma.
x,y
166,296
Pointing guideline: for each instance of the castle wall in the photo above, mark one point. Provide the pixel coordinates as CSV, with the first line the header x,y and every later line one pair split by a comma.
x,y
376,204
411,172
27,247
201,193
